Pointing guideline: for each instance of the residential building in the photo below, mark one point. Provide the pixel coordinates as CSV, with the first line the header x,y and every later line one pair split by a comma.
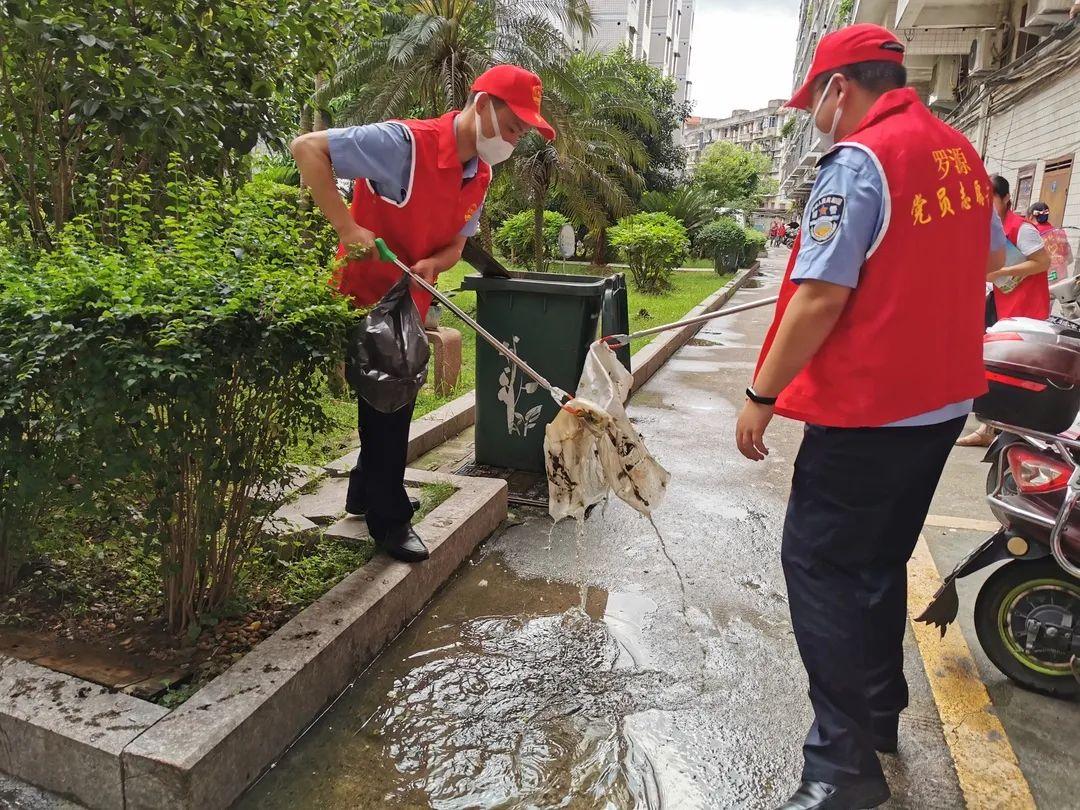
x,y
654,31
1004,72
621,23
756,130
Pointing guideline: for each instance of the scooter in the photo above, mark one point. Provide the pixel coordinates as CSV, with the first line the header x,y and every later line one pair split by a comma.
x,y
1027,613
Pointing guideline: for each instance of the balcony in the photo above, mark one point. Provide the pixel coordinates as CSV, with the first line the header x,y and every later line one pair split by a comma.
x,y
952,13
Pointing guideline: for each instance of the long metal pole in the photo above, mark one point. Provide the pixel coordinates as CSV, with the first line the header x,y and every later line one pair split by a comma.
x,y
703,318
496,344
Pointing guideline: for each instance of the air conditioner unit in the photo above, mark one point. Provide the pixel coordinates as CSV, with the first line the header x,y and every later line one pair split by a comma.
x,y
981,60
943,83
1043,14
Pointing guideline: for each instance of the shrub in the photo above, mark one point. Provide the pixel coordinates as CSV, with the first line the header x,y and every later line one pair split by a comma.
x,y
755,243
185,354
516,237
723,240
693,206
654,245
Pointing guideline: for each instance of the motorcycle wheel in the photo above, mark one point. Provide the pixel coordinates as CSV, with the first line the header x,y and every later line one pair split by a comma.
x,y
1020,591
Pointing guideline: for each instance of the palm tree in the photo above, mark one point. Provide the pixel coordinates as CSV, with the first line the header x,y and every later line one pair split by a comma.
x,y
693,206
594,165
432,50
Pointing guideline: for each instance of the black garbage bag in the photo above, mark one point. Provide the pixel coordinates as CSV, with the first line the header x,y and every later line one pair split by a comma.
x,y
387,356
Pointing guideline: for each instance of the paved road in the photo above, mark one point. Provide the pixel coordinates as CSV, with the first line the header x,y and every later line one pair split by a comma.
x,y
561,669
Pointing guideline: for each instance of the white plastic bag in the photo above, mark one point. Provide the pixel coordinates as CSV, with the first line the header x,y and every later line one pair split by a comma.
x,y
596,450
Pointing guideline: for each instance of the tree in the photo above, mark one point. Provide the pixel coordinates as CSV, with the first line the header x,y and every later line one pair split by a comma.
x,y
593,167
666,164
99,87
431,51
693,206
731,173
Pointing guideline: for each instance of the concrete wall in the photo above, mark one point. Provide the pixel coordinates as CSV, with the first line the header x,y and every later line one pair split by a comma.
x,y
1044,126
613,20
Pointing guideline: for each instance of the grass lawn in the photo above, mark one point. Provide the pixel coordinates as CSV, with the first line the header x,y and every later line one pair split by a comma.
x,y
699,263
689,290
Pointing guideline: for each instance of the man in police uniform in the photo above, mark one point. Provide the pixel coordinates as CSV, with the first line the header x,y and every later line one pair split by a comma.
x,y
877,347
420,186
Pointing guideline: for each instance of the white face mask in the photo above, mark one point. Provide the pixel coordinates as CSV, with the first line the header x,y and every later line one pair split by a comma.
x,y
495,149
828,139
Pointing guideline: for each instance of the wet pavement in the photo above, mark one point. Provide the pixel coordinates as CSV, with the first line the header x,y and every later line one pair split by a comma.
x,y
567,669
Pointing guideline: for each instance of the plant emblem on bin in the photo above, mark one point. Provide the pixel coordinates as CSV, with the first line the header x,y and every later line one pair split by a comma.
x,y
512,387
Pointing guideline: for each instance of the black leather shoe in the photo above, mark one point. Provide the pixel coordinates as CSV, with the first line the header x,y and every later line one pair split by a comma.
x,y
824,796
402,543
358,509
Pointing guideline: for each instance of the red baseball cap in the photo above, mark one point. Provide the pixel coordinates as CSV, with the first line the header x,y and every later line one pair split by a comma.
x,y
856,43
521,90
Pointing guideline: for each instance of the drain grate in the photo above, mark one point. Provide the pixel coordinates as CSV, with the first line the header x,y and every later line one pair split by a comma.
x,y
526,488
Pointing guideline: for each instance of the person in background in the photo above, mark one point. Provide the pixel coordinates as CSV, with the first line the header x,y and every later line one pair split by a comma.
x,y
1039,216
1055,240
1021,288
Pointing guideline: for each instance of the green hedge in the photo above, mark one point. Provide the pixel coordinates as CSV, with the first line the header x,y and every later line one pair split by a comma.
x,y
724,240
181,356
754,244
654,245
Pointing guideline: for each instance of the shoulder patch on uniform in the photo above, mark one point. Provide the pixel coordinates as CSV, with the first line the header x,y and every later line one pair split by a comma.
x,y
826,214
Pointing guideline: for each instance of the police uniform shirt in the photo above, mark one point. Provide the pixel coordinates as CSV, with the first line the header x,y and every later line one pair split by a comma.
x,y
844,219
382,153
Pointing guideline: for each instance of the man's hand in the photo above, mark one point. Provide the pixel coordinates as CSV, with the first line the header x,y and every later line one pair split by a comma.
x,y
750,430
428,269
359,241
1074,12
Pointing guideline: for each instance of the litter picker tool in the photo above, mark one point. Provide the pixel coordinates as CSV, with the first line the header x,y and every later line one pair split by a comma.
x,y
560,396
616,341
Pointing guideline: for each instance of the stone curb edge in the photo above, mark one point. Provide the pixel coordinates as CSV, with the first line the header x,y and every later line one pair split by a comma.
x,y
443,424
108,750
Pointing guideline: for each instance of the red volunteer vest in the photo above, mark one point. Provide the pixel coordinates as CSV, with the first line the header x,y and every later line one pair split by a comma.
x,y
1031,298
910,338
435,209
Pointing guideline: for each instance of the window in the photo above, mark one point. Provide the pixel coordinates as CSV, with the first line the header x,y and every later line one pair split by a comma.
x,y
1025,182
1024,42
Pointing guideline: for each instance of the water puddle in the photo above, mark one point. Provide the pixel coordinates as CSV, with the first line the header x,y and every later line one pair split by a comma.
x,y
505,693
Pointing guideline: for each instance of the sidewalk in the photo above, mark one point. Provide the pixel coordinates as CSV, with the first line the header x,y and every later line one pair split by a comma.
x,y
558,668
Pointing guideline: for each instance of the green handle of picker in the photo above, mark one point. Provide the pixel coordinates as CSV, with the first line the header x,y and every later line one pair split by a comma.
x,y
385,253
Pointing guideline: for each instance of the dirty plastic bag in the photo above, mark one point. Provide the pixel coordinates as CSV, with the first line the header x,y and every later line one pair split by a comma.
x,y
596,450
387,355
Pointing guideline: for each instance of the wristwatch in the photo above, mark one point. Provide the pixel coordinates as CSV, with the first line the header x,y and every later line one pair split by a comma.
x,y
755,397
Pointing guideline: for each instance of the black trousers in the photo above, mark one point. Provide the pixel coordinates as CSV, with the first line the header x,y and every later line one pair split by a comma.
x,y
859,499
377,482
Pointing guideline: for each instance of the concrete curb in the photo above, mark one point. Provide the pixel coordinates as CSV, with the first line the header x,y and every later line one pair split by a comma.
x,y
110,750
652,358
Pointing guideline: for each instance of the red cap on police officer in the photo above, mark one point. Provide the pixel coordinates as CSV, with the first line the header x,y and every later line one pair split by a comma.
x,y
521,91
856,43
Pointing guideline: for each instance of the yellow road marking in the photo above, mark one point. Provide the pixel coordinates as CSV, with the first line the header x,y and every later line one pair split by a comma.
x,y
950,522
985,762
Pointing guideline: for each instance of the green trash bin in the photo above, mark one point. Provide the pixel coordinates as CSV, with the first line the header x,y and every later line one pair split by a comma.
x,y
549,319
